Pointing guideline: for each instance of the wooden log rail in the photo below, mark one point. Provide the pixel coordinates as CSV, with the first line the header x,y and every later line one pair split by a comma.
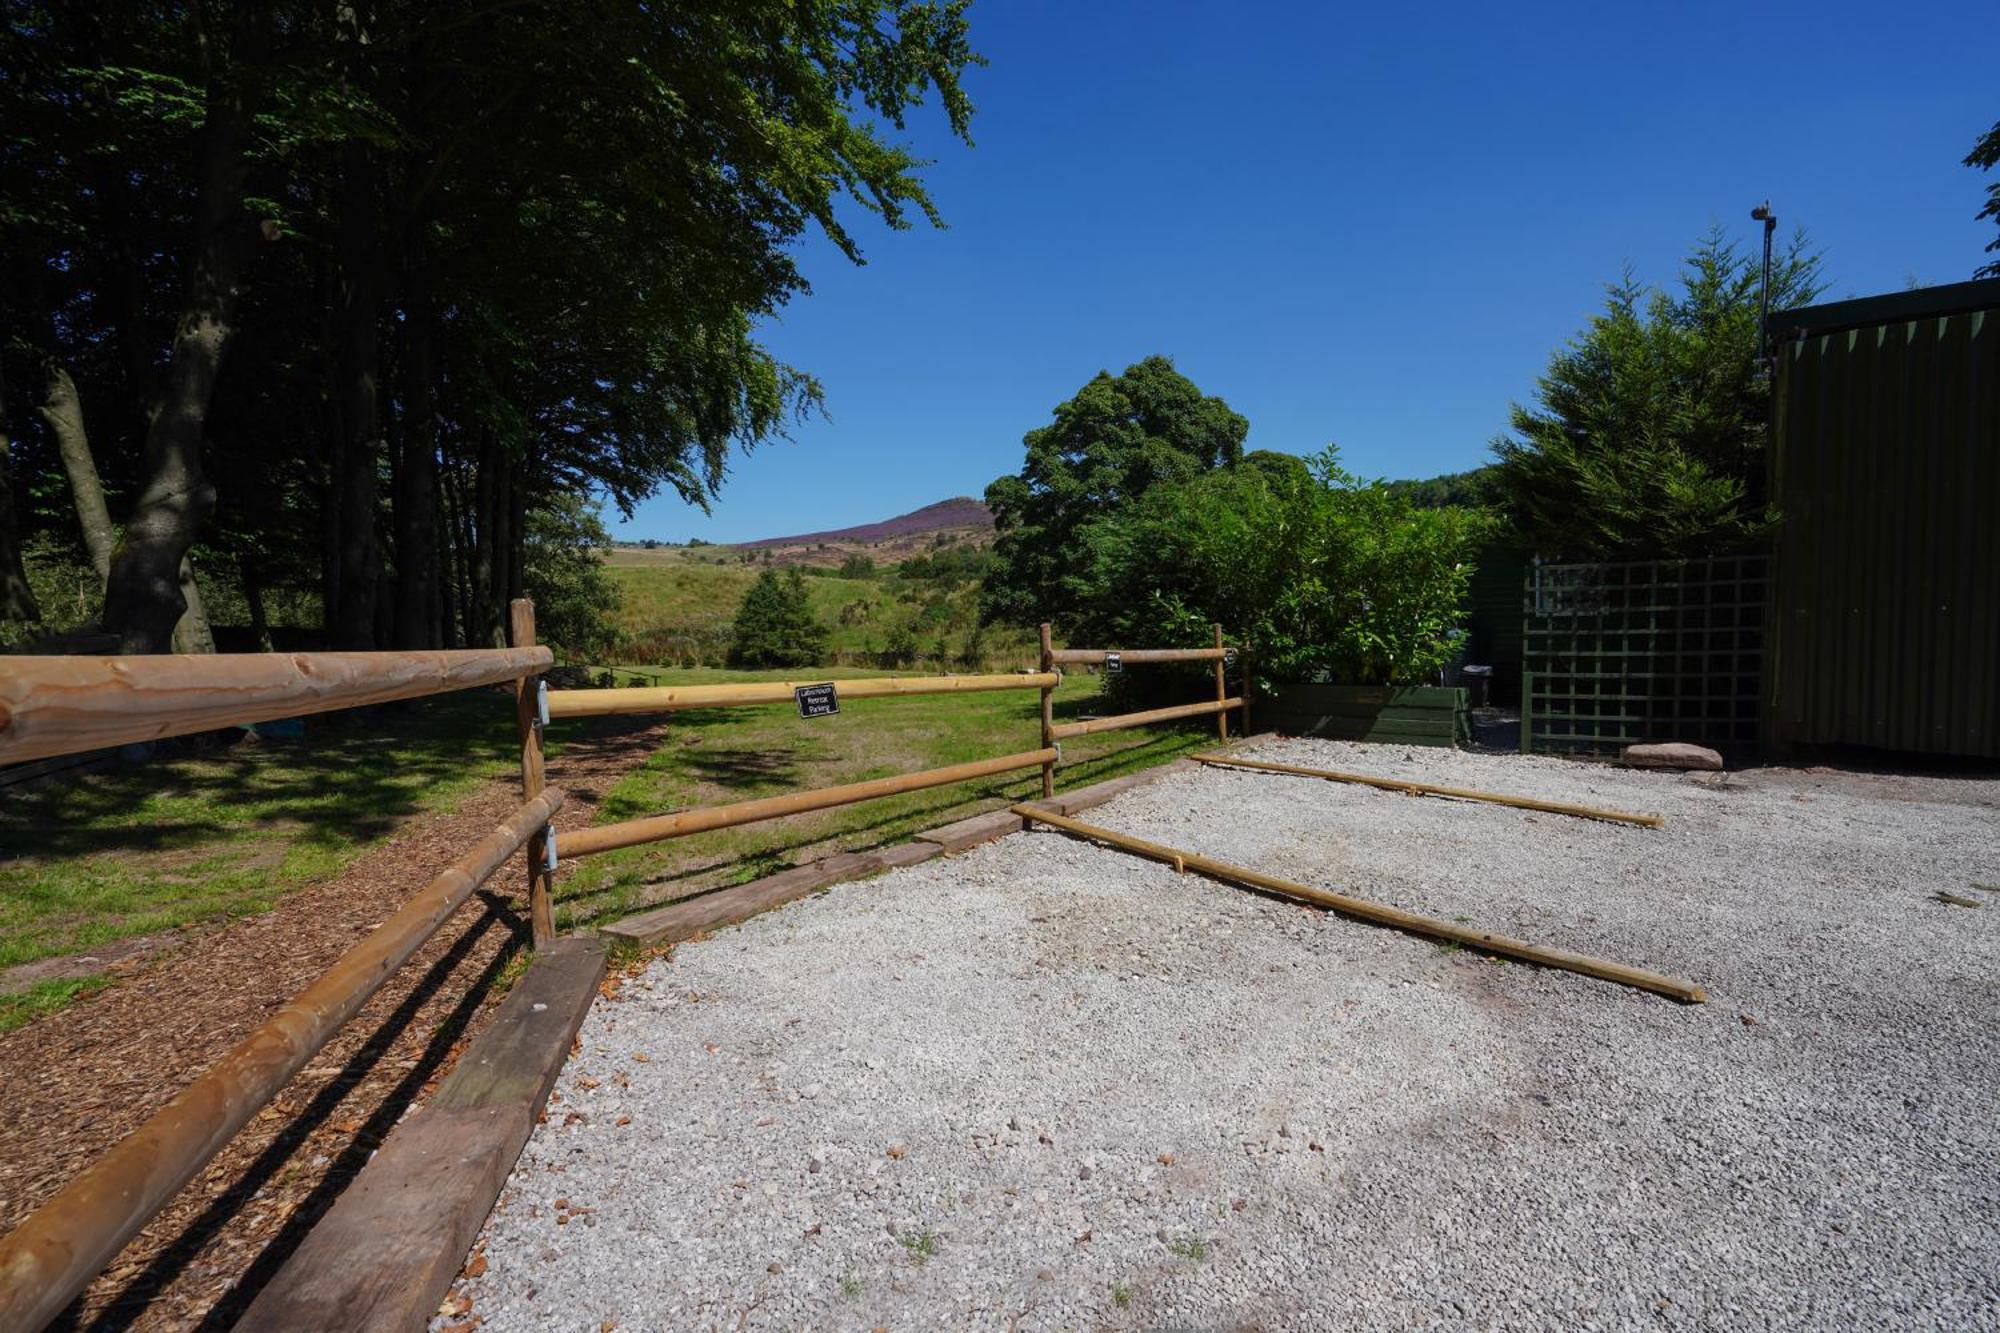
x,y
1396,918
1138,656
61,1246
675,698
1220,707
61,705
1119,721
1431,789
631,833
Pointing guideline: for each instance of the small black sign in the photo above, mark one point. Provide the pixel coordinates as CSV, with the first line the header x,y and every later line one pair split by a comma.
x,y
817,700
1113,664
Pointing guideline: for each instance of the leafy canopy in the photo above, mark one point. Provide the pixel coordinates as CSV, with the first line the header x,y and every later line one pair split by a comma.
x,y
1652,426
1320,572
775,626
1118,438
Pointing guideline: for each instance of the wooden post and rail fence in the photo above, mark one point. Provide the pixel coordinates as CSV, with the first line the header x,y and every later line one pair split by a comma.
x,y
52,706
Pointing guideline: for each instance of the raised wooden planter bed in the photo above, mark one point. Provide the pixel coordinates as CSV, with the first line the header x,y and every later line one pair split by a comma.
x,y
1397,714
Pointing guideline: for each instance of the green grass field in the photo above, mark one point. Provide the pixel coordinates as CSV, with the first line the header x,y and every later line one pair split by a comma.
x,y
722,755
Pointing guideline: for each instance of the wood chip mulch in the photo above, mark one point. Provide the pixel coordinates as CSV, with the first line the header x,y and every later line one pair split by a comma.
x,y
77,1081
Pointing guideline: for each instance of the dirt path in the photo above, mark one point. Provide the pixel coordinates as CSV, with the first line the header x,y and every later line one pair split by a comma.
x,y
79,1080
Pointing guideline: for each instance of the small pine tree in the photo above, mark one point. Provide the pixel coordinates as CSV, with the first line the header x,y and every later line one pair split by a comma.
x,y
775,626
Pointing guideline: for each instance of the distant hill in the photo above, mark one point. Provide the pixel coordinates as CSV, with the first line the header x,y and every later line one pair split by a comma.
x,y
960,511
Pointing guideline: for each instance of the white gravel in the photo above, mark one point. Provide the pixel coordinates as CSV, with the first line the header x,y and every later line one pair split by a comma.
x,y
1046,1085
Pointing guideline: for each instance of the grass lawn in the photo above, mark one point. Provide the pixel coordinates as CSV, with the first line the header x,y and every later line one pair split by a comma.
x,y
197,837
722,755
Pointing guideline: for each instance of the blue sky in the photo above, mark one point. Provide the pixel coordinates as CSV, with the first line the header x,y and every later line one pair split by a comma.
x,y
1364,225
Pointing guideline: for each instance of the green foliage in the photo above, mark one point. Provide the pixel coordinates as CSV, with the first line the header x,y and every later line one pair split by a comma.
x,y
563,571
1479,487
948,566
1117,439
1985,155
775,625
1651,432
1317,571
858,566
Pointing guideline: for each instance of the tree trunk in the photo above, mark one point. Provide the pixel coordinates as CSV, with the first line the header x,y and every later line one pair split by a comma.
x,y
485,481
191,631
63,410
416,478
253,597
360,398
517,532
143,598
17,599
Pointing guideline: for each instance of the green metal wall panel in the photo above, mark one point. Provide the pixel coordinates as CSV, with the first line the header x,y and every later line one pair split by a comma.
x,y
1885,627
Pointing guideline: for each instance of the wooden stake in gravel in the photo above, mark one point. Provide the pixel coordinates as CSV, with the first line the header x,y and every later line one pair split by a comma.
x,y
1428,789
1395,917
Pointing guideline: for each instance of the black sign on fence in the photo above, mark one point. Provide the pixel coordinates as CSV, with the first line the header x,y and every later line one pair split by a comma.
x,y
817,700
1113,664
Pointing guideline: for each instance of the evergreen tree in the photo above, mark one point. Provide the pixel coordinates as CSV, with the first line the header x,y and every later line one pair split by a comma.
x,y
1651,433
775,626
1986,155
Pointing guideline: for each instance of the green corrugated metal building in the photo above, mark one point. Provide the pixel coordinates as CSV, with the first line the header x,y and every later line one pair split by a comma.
x,y
1885,607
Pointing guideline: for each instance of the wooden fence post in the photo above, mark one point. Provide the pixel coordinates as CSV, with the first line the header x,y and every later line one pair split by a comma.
x,y
527,712
1221,688
1048,714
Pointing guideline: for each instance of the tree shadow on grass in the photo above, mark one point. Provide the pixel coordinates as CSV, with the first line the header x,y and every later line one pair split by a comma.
x,y
355,778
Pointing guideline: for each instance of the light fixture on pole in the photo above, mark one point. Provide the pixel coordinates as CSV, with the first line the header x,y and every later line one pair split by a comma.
x,y
1762,213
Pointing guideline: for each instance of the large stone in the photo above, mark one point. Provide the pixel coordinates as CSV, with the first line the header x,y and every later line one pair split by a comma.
x,y
1670,754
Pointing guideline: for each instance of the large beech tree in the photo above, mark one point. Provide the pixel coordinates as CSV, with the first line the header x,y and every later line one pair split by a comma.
x,y
349,289
1120,436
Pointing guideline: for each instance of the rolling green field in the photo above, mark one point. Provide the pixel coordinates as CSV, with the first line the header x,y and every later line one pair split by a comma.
x,y
722,755
676,606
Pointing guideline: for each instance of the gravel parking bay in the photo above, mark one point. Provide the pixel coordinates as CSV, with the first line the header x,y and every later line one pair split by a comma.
x,y
1046,1085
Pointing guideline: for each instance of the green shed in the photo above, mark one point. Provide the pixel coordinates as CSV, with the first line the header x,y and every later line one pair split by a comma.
x,y
1884,625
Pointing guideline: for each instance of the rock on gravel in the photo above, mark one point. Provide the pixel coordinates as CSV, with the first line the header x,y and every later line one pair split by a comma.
x,y
1045,1085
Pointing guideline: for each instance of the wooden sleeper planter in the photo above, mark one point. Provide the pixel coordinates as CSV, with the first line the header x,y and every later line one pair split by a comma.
x,y
1391,714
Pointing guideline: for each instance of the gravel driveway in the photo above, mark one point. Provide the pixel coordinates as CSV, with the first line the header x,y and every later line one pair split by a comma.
x,y
1045,1085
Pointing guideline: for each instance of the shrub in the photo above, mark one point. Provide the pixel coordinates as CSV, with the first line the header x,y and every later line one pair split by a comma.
x,y
1318,571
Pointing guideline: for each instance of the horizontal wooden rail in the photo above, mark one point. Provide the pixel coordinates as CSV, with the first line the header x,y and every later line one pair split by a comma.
x,y
1127,656
1120,721
62,1245
632,832
1430,789
676,698
1395,917
60,705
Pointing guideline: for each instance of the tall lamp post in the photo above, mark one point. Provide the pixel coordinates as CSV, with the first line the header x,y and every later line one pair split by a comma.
x,y
1762,213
